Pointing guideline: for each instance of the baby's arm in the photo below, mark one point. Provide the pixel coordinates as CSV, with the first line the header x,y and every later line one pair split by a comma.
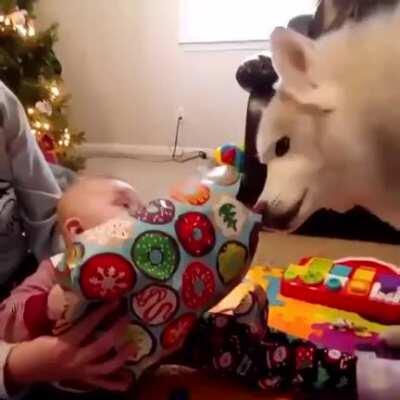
x,y
23,314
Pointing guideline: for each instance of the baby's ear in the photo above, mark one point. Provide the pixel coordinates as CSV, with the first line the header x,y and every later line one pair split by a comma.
x,y
293,57
72,227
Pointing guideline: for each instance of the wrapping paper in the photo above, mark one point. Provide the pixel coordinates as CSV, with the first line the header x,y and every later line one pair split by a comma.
x,y
173,260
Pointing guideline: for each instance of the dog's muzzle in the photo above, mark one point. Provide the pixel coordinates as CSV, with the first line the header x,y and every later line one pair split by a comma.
x,y
281,221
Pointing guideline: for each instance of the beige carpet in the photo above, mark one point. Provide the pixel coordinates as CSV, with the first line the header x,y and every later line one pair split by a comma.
x,y
281,249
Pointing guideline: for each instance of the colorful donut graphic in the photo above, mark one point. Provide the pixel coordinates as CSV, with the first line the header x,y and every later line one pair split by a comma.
x,y
196,233
232,261
158,212
107,277
176,331
198,286
227,357
192,193
142,339
155,304
156,254
245,305
224,361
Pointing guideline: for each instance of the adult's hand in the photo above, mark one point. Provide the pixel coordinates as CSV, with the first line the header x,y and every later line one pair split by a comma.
x,y
69,357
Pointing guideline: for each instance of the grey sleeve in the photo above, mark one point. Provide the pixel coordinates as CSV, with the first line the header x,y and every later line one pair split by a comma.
x,y
377,378
36,188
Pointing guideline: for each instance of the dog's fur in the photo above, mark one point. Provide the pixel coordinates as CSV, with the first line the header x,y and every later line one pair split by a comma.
x,y
338,100
332,14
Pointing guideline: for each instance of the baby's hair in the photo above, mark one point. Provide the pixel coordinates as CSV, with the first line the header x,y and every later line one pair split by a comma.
x,y
78,182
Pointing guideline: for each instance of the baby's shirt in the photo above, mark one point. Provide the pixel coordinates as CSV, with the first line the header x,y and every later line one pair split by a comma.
x,y
26,314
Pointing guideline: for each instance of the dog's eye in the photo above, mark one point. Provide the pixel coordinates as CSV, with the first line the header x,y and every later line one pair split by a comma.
x,y
282,146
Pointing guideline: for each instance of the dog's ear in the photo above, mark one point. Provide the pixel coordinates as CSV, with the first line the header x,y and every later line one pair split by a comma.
x,y
293,57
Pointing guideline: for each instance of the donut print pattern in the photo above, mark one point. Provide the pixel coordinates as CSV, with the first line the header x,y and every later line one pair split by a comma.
x,y
106,277
195,233
232,261
155,304
198,286
158,212
176,331
156,254
195,194
142,339
230,216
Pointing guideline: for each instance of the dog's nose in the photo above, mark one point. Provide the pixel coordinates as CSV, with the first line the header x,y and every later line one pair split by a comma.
x,y
271,220
261,207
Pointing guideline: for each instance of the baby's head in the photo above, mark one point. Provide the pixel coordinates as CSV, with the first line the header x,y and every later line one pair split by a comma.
x,y
92,201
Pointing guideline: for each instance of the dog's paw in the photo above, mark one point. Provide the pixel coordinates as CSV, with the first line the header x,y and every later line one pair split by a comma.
x,y
257,74
391,337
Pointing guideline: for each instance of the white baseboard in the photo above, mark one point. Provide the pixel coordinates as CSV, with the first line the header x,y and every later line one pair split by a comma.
x,y
116,150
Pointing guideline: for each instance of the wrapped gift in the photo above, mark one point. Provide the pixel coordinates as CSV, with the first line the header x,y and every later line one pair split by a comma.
x,y
172,261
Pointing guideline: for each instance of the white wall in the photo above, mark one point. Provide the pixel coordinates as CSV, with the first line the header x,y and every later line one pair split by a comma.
x,y
128,75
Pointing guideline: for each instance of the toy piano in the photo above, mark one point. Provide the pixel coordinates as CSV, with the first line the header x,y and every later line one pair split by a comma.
x,y
337,304
366,287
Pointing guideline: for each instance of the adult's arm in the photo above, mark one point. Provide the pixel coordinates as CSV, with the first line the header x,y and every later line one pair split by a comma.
x,y
36,188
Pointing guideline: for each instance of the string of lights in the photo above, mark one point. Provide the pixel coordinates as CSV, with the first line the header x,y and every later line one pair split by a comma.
x,y
41,92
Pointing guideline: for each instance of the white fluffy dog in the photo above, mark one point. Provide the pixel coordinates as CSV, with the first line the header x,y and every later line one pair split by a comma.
x,y
331,134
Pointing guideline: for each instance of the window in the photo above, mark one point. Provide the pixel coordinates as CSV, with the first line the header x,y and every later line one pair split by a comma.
x,y
216,21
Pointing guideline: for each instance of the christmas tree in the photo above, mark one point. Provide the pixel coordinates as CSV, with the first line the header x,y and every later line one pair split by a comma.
x,y
29,67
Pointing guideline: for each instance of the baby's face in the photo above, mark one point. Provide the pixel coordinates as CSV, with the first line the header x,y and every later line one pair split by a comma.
x,y
102,201
92,202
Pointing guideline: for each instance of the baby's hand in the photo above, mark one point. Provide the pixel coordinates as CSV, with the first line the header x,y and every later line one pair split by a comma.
x,y
128,198
62,308
56,303
69,357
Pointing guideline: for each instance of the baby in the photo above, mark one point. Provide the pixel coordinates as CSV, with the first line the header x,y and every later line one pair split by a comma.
x,y
237,344
39,306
